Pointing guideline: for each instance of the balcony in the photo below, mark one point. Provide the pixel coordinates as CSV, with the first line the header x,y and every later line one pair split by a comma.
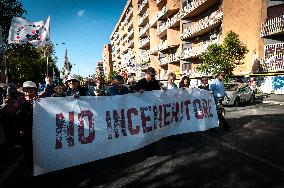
x,y
145,42
144,65
274,57
131,33
203,26
163,45
129,14
169,58
142,7
162,29
143,30
154,50
174,57
130,43
142,20
131,53
130,25
274,26
163,61
196,7
161,13
158,1
145,56
174,21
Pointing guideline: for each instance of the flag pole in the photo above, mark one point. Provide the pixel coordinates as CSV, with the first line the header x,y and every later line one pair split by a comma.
x,y
47,62
6,69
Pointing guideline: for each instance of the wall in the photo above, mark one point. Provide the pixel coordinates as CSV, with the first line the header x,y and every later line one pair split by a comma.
x,y
244,18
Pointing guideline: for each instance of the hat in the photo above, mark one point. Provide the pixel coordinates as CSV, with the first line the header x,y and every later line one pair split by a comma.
x,y
72,77
151,71
29,84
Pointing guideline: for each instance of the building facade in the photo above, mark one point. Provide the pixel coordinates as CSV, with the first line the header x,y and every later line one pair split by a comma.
x,y
100,70
107,60
170,35
272,32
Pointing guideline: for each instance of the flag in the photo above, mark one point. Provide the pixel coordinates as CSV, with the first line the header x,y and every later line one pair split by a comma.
x,y
23,31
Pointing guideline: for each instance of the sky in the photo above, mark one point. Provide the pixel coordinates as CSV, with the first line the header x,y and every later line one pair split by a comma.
x,y
84,25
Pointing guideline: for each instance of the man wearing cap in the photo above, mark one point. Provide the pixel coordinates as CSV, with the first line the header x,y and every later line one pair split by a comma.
x,y
117,87
25,120
149,83
74,87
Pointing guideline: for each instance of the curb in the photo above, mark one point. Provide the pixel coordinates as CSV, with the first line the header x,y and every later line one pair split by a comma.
x,y
273,102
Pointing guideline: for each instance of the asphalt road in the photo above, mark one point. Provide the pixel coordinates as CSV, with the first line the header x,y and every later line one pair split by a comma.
x,y
250,154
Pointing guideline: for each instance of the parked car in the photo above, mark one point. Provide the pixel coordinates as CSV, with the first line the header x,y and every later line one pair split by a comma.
x,y
238,93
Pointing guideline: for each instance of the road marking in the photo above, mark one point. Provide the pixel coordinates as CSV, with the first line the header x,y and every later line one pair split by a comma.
x,y
234,148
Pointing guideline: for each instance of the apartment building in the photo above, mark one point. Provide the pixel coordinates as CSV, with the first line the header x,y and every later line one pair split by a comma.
x,y
107,60
170,35
272,31
99,70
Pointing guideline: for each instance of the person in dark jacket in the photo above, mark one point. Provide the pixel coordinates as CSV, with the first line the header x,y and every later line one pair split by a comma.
x,y
117,87
204,83
149,83
25,120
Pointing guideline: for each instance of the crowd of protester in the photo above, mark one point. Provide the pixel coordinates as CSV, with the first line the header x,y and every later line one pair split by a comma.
x,y
16,105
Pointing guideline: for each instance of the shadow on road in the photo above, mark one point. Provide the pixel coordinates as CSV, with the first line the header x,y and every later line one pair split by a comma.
x,y
250,154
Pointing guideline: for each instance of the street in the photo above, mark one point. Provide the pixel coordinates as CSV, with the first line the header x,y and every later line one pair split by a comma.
x,y
250,154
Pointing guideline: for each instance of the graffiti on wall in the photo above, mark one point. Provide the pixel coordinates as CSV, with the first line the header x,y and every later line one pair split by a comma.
x,y
278,84
272,84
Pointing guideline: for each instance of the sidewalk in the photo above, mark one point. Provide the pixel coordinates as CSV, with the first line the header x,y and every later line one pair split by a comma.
x,y
271,98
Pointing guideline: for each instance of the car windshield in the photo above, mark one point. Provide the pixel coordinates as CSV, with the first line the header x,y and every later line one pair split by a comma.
x,y
231,87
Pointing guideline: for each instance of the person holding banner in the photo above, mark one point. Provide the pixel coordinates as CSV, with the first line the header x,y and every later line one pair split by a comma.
x,y
74,87
204,83
117,87
24,120
149,83
171,81
185,82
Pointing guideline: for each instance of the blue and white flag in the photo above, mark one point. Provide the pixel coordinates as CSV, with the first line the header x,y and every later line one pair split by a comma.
x,y
23,31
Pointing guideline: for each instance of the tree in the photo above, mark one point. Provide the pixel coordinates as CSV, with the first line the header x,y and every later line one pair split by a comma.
x,y
8,10
26,62
223,57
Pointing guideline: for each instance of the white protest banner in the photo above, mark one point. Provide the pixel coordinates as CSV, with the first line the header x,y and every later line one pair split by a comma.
x,y
68,131
23,31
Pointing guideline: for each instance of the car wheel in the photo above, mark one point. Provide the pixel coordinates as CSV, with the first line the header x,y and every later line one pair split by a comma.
x,y
237,102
